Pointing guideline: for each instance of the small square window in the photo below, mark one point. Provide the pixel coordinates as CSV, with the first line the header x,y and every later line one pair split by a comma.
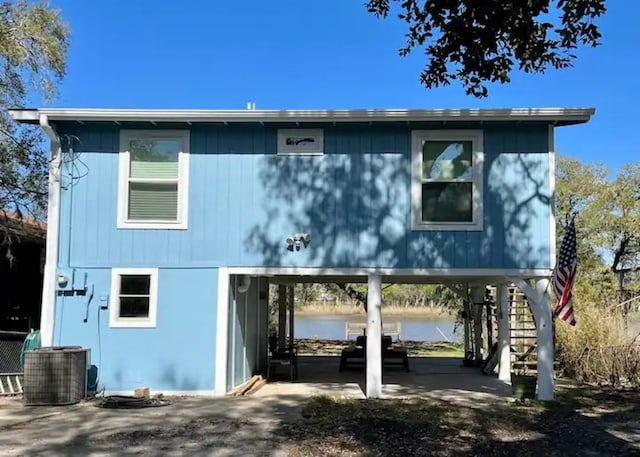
x,y
133,297
300,141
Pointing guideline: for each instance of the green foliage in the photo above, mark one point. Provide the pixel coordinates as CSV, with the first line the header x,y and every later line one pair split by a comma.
x,y
606,212
33,47
617,218
475,42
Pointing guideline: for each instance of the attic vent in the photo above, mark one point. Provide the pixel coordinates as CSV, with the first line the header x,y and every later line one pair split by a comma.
x,y
300,141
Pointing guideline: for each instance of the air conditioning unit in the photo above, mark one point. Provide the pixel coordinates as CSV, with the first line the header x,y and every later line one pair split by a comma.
x,y
55,375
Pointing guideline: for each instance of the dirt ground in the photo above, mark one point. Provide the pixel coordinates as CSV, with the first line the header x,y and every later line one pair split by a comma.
x,y
584,422
580,423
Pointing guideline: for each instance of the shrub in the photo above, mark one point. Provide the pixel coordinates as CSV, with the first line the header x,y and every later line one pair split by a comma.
x,y
598,349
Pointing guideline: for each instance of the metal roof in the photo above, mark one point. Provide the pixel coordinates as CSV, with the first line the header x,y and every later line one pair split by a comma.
x,y
558,116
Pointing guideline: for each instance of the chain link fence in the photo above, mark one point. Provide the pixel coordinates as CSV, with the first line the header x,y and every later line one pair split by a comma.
x,y
10,347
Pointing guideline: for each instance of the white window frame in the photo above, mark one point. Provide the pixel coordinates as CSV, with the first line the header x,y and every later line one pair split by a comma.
x,y
181,223
477,144
114,305
285,149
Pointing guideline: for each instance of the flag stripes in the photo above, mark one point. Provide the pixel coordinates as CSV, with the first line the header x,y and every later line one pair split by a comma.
x,y
564,275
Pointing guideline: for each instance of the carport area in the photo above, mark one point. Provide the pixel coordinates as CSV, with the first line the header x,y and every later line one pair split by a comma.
x,y
441,378
249,342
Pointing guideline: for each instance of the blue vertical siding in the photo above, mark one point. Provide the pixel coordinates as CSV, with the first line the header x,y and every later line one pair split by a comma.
x,y
177,355
244,200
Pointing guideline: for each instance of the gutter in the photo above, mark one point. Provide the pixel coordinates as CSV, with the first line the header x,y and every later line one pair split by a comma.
x,y
48,312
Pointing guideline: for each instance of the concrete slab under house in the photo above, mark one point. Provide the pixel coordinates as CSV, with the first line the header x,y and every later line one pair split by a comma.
x,y
167,227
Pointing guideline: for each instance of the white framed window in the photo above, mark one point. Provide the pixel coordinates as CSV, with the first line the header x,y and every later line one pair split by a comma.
x,y
300,141
446,180
134,297
153,180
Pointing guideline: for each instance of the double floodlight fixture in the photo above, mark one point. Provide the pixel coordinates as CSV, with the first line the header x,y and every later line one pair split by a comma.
x,y
297,241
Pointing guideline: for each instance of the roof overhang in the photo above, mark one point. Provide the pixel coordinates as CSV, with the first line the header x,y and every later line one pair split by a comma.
x,y
556,116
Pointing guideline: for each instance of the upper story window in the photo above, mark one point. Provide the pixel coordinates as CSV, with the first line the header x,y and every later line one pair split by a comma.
x,y
446,189
300,141
134,297
153,179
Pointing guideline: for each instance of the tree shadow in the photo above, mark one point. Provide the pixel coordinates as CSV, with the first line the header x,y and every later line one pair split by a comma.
x,y
356,207
435,427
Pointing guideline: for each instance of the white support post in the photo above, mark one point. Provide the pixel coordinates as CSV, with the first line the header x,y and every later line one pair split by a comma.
x,y
222,332
544,337
374,337
504,334
477,298
540,303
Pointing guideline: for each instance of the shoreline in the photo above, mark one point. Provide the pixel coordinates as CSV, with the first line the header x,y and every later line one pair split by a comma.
x,y
332,347
396,312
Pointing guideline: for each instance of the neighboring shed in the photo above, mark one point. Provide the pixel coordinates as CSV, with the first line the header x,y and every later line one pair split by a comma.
x,y
22,244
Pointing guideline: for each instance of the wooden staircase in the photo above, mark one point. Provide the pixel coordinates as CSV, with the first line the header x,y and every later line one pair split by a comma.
x,y
524,351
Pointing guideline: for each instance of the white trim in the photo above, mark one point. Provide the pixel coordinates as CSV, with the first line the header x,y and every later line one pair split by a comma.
x,y
559,115
552,197
114,303
504,333
48,306
477,141
316,149
168,393
124,162
434,272
222,332
373,348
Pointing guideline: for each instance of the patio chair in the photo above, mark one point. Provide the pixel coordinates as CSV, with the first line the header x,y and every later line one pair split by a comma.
x,y
283,357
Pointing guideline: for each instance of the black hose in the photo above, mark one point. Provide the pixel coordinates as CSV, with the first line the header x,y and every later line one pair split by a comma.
x,y
127,402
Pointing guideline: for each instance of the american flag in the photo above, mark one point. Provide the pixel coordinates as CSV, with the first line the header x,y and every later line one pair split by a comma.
x,y
563,276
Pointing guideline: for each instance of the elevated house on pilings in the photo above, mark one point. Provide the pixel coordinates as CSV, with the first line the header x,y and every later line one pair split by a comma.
x,y
180,220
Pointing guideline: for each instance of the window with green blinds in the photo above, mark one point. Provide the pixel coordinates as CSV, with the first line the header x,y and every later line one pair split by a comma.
x,y
153,179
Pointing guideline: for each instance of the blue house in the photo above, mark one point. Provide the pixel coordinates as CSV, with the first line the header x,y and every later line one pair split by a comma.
x,y
166,227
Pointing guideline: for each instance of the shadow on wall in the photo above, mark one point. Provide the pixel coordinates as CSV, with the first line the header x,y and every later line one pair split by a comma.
x,y
357,209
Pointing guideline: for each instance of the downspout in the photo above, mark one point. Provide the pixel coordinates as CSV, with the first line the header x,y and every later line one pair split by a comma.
x,y
48,311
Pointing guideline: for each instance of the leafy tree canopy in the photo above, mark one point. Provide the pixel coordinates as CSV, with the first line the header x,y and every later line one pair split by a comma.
x,y
33,47
480,41
606,211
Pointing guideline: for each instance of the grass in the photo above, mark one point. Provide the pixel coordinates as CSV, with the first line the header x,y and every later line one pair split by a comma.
x,y
308,346
580,422
423,312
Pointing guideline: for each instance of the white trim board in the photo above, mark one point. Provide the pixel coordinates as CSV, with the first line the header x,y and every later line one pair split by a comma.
x,y
434,272
48,303
222,332
552,197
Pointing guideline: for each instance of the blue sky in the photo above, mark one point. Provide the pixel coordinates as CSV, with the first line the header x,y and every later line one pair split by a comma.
x,y
330,54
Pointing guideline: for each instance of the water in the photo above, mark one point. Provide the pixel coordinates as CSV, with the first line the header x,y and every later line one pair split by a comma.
x,y
412,329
